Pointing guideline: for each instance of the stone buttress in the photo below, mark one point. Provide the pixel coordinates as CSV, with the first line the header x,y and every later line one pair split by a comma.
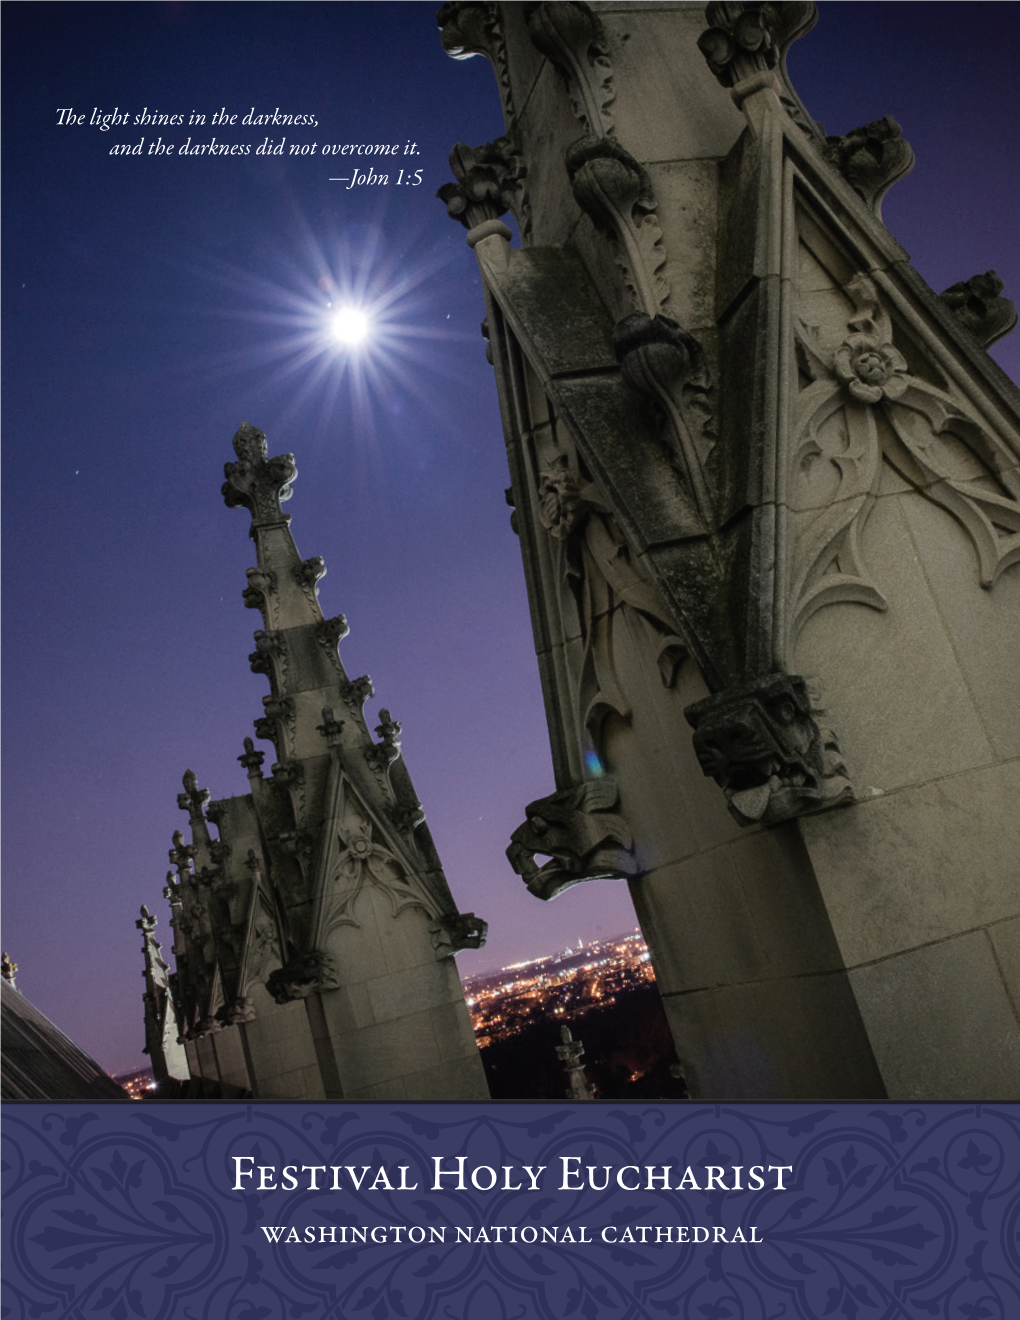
x,y
767,489
314,936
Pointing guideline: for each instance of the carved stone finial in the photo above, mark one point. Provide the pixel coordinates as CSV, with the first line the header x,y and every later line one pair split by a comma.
x,y
569,34
330,728
576,828
8,970
181,853
256,481
489,183
739,42
388,730
871,159
976,304
252,760
663,362
748,40
194,799
760,743
172,889
616,192
146,922
570,1054
382,754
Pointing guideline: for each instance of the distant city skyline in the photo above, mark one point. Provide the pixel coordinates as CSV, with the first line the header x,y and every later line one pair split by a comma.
x,y
152,303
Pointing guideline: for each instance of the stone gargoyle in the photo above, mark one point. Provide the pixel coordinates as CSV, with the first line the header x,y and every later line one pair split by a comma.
x,y
581,836
759,741
303,976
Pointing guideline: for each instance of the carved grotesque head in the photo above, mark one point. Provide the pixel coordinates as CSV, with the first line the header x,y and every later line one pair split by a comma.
x,y
577,830
760,743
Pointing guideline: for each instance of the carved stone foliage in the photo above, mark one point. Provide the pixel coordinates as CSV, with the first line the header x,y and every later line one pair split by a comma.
x,y
269,656
934,441
355,693
616,192
256,481
594,561
310,571
661,361
407,816
569,34
581,834
263,948
308,975
744,40
460,930
260,583
976,304
871,159
364,860
467,28
490,182
330,633
760,742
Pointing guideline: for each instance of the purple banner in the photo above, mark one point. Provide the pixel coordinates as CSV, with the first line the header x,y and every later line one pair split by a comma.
x,y
268,1211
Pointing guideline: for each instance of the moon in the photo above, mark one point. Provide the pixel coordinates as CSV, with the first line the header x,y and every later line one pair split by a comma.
x,y
349,326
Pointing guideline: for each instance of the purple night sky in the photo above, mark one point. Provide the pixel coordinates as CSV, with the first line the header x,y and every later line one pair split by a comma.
x,y
151,304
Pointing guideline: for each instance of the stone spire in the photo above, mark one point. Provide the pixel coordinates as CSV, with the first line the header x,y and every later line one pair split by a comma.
x,y
570,1054
162,1030
323,887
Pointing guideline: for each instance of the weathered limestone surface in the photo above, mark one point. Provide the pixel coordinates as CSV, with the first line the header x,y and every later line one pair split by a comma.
x,y
315,933
767,488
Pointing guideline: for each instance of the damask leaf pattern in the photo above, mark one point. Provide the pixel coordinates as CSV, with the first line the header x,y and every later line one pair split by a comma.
x,y
891,1211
